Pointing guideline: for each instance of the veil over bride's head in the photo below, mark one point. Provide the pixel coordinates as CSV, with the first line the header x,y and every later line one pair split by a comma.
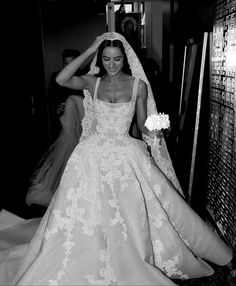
x,y
134,65
116,43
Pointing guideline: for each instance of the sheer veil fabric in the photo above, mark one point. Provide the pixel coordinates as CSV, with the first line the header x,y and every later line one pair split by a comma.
x,y
77,124
47,176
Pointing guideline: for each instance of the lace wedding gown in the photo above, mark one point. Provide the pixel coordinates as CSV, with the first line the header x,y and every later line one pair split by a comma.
x,y
115,218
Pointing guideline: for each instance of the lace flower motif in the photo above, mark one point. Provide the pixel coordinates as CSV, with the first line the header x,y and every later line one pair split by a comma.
x,y
88,117
106,273
168,266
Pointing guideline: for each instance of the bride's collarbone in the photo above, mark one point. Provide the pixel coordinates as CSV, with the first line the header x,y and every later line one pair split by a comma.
x,y
125,84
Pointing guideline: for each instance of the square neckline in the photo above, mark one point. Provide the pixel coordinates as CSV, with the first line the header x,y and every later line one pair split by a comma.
x,y
114,103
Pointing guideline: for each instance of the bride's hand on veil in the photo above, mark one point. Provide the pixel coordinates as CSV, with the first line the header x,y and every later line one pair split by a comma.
x,y
96,43
99,39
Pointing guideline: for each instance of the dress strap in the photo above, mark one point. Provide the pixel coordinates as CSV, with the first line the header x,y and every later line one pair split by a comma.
x,y
96,87
135,88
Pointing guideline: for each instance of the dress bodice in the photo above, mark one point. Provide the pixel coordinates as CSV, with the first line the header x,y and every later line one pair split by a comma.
x,y
112,120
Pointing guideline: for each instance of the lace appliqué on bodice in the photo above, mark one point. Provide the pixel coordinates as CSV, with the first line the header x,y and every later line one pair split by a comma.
x,y
112,120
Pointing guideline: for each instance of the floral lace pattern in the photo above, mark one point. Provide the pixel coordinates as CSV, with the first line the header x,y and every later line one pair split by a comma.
x,y
169,266
66,223
88,117
106,273
162,159
111,152
159,152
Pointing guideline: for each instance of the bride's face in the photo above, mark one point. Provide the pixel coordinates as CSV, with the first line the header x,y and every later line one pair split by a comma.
x,y
112,60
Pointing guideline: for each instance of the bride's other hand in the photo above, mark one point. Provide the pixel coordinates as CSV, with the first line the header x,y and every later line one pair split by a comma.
x,y
155,134
167,132
60,109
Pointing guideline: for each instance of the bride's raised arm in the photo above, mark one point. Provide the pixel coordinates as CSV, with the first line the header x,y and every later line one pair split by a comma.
x,y
66,76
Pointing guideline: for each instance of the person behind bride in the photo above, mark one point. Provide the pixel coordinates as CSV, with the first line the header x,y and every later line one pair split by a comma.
x,y
117,216
57,95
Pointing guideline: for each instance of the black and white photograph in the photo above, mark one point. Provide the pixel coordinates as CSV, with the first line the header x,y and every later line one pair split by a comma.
x,y
119,143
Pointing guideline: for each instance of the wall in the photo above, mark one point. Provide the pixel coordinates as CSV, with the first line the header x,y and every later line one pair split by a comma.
x,y
154,30
72,24
25,135
221,173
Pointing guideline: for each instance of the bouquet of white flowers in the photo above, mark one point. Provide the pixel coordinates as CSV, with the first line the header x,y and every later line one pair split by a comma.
x,y
157,122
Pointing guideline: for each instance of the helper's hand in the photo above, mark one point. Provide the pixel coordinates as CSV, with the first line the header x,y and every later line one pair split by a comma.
x,y
60,109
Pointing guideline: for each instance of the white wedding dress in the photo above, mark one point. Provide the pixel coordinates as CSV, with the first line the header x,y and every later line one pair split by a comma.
x,y
115,219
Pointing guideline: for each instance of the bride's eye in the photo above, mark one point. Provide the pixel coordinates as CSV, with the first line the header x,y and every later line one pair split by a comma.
x,y
118,59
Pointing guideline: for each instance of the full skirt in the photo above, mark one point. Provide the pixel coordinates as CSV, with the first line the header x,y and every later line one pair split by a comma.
x,y
115,219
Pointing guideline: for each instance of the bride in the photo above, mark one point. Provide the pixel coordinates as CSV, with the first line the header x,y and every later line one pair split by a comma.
x,y
116,213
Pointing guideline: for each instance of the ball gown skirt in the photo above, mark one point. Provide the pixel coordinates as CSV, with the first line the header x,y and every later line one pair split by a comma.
x,y
115,219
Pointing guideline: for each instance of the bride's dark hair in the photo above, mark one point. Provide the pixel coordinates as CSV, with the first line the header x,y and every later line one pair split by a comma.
x,y
108,43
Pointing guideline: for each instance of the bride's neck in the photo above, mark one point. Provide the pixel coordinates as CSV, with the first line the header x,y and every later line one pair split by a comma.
x,y
114,79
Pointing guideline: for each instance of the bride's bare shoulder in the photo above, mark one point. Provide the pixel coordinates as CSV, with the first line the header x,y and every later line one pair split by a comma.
x,y
142,89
